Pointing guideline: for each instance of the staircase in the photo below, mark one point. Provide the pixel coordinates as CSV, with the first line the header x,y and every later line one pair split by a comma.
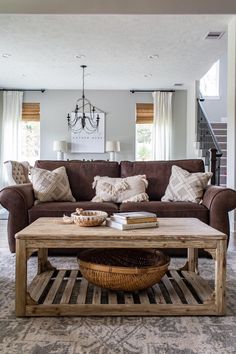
x,y
220,131
208,147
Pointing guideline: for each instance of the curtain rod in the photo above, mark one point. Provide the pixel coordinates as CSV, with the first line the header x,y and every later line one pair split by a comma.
x,y
133,91
12,89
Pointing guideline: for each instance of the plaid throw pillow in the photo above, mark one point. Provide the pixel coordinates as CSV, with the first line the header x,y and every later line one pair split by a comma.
x,y
185,186
51,185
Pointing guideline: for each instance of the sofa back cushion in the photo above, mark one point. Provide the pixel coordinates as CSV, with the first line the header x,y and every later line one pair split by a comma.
x,y
158,173
81,174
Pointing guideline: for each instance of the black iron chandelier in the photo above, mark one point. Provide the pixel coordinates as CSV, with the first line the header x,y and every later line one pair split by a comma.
x,y
85,117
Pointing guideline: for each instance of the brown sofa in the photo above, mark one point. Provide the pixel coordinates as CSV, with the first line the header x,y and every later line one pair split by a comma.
x,y
19,199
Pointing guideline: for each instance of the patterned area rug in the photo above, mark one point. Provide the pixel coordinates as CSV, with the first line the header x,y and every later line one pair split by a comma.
x,y
114,335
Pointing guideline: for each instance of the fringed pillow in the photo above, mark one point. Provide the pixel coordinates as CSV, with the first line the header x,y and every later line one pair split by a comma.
x,y
120,190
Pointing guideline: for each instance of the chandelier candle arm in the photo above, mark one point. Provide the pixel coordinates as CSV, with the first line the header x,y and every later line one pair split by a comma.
x,y
85,117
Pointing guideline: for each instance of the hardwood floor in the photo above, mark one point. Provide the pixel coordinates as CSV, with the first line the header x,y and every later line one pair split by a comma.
x,y
4,242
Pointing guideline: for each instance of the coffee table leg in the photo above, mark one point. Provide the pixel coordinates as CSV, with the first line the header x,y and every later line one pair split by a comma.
x,y
193,260
43,262
21,277
220,277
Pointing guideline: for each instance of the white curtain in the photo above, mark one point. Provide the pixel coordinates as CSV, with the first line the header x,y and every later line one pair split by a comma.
x,y
162,127
12,109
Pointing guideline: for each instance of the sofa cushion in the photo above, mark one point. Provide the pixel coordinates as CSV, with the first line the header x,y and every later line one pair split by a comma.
x,y
51,186
82,173
158,173
170,209
58,209
185,186
120,190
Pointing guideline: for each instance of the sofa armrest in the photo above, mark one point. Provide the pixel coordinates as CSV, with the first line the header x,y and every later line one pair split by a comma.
x,y
17,200
219,201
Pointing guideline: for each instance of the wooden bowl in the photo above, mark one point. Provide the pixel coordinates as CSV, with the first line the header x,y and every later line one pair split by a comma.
x,y
123,269
89,217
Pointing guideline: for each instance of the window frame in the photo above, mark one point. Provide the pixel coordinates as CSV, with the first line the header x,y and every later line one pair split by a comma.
x,y
144,116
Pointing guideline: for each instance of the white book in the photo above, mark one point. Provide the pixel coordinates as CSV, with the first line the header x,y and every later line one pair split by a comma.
x,y
119,226
134,215
133,220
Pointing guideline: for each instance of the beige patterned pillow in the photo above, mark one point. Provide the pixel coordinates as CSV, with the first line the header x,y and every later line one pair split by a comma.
x,y
185,186
120,190
51,185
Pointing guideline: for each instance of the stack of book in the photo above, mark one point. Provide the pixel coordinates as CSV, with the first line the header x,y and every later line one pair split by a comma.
x,y
132,220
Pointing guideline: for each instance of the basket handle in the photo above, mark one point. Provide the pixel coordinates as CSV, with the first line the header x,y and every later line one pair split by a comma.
x,y
79,211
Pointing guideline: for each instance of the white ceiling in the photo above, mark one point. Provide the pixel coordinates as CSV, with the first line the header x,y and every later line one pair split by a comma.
x,y
116,49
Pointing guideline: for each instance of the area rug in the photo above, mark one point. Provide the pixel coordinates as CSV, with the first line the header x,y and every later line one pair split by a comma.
x,y
3,213
114,335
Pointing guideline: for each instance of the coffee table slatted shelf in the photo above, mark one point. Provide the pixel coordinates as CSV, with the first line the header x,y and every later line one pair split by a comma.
x,y
64,292
177,289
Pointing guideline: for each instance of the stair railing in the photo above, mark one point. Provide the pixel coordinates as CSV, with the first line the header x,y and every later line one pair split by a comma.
x,y
208,143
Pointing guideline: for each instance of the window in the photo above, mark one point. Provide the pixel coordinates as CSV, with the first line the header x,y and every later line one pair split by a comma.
x,y
144,134
209,83
29,133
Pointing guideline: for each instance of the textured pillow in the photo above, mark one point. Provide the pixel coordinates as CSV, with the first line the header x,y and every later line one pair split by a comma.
x,y
51,185
185,186
120,190
17,172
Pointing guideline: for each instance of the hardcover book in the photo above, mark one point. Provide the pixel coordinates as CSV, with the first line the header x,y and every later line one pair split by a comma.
x,y
119,226
134,220
134,217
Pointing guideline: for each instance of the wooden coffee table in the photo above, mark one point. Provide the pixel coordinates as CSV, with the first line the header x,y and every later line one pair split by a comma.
x,y
61,292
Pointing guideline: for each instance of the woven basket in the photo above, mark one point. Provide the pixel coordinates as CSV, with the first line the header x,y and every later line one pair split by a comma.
x,y
123,269
89,217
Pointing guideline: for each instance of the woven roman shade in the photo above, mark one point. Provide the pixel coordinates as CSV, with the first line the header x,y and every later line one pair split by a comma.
x,y
144,113
31,112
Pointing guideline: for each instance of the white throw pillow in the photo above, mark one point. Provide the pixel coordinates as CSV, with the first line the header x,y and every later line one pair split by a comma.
x,y
51,185
185,186
120,190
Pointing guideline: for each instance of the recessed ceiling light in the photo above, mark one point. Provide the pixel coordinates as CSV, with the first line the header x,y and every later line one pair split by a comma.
x,y
79,56
6,55
148,75
178,84
153,56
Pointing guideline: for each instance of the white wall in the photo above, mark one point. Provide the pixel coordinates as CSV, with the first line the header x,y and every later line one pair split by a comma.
x,y
1,162
120,121
179,125
191,120
217,108
1,108
231,126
